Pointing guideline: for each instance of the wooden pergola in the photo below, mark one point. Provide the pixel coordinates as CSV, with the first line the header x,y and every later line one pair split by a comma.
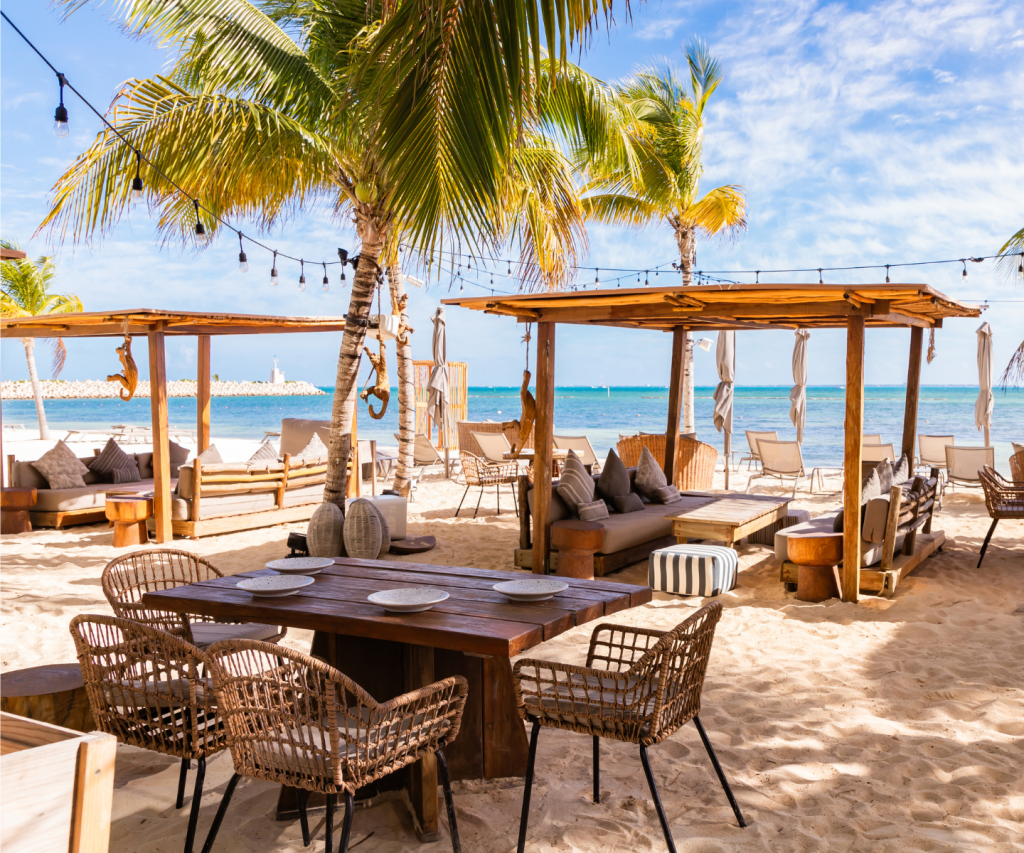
x,y
156,325
739,307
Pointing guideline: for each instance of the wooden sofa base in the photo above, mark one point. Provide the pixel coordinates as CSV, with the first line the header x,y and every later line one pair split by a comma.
x,y
603,563
61,520
248,521
874,580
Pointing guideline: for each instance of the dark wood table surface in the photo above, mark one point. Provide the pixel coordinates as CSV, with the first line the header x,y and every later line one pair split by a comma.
x,y
474,633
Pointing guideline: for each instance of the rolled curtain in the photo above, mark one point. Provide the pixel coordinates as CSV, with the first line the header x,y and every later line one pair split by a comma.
x,y
437,385
986,400
798,393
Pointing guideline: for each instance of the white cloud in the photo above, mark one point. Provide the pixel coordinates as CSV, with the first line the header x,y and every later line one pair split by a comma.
x,y
661,28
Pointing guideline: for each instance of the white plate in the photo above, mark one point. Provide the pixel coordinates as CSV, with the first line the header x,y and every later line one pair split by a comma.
x,y
409,600
300,565
534,589
274,586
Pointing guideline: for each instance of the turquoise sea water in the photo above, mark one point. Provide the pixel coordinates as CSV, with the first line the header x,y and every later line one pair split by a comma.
x,y
601,413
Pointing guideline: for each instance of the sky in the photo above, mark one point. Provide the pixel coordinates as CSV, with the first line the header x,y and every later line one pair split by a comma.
x,y
863,133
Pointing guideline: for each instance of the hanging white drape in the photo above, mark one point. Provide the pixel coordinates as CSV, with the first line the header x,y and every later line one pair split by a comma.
x,y
986,400
798,393
725,357
437,386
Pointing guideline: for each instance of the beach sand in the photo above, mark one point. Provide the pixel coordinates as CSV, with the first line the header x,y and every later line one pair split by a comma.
x,y
897,724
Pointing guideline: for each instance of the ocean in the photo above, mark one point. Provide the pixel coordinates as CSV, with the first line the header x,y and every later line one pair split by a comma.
x,y
600,413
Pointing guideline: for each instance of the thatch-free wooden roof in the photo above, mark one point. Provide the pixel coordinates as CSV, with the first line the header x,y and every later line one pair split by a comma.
x,y
98,324
732,306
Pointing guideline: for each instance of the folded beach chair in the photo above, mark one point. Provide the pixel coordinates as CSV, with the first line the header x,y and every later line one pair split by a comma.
x,y
783,460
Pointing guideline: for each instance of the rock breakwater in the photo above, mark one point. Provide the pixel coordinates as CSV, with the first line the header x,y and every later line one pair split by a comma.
x,y
95,388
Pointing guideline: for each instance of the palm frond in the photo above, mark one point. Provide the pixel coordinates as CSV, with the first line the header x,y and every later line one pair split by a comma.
x,y
620,209
722,211
1011,258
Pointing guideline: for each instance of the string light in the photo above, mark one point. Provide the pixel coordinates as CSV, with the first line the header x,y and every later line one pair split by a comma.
x,y
302,276
886,273
60,115
326,285
597,276
820,280
647,278
964,262
273,272
343,259
137,180
201,237
243,264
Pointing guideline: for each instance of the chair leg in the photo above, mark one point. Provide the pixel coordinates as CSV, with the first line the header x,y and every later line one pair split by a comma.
x,y
515,500
182,777
449,803
329,824
524,819
657,799
718,770
460,502
221,810
197,796
988,538
478,502
597,769
497,494
302,797
346,827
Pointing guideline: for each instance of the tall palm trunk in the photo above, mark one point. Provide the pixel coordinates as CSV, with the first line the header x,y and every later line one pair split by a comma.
x,y
363,283
406,390
687,241
37,392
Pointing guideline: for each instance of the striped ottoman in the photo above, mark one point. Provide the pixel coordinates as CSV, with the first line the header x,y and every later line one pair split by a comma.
x,y
694,569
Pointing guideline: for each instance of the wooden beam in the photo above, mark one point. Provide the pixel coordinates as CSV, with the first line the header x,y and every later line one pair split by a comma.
x,y
913,393
852,457
676,379
203,395
161,449
543,442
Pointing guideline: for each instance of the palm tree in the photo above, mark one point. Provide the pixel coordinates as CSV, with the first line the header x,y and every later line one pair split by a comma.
x,y
1011,264
26,293
660,180
265,113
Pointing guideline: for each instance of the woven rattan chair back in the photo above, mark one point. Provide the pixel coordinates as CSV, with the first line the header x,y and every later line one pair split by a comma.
x,y
1003,499
145,687
695,464
1017,467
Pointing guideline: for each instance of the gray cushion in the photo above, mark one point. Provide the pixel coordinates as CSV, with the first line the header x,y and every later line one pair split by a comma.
x,y
634,528
178,456
210,456
885,480
593,511
575,486
649,476
558,508
614,479
315,449
628,503
113,465
61,468
266,451
901,470
666,495
145,463
88,497
870,488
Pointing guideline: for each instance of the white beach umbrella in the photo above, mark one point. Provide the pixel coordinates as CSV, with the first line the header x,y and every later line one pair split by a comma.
x,y
986,400
725,356
437,386
798,393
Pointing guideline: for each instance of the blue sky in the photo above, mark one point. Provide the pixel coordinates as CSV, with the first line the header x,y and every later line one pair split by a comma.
x,y
863,133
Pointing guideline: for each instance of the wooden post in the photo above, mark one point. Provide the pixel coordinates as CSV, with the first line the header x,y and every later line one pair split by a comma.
x,y
203,395
418,665
161,449
676,380
913,393
852,456
543,442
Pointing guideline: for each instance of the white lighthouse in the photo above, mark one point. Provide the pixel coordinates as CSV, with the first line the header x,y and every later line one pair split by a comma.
x,y
276,376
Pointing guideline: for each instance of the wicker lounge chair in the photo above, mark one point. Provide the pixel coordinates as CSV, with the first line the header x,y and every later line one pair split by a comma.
x,y
294,720
582,447
481,473
1002,499
1017,467
783,460
964,464
754,458
146,689
126,579
639,686
695,460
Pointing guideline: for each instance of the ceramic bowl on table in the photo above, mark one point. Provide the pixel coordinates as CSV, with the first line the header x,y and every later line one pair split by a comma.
x,y
532,589
409,600
300,565
274,586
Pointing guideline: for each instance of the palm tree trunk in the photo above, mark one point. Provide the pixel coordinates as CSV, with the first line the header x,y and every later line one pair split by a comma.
x,y
37,392
363,283
406,390
687,242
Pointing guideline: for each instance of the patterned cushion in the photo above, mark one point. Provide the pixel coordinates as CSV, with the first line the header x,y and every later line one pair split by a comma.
x,y
210,456
693,569
592,511
667,495
113,465
575,486
614,480
61,468
649,476
316,449
266,453
628,503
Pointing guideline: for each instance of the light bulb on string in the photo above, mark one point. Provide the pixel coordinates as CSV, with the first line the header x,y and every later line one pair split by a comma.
x,y
647,278
243,263
273,271
202,238
137,180
964,262
887,273
510,269
597,276
326,285
302,276
462,288
343,257
60,115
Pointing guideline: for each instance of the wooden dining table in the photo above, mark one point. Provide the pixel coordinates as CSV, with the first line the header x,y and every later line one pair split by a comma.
x,y
474,633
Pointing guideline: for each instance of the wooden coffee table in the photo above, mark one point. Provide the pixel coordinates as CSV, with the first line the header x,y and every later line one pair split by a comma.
x,y
14,506
129,514
723,518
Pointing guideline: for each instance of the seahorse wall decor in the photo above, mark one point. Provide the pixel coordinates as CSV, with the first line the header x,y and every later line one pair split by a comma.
x,y
130,377
525,422
382,387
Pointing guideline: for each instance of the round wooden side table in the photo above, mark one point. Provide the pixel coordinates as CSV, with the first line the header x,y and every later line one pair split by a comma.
x,y
129,514
51,694
577,542
816,556
14,506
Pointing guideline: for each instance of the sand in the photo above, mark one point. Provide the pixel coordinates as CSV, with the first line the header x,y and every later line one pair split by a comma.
x,y
892,725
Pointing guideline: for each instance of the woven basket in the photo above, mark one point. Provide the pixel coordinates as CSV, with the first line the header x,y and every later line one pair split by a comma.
x,y
326,531
367,535
695,460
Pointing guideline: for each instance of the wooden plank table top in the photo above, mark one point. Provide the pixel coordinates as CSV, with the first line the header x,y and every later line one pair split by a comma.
x,y
726,518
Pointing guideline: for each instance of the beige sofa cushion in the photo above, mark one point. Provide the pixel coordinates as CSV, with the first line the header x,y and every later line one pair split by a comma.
x,y
90,497
627,530
219,506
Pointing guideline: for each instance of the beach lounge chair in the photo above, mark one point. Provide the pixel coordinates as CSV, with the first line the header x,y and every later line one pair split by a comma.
x,y
292,719
932,451
964,464
493,446
427,457
481,473
875,453
871,438
639,686
1002,499
752,437
783,460
581,445
147,688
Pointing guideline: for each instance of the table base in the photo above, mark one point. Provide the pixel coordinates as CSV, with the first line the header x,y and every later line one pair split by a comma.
x,y
127,533
15,521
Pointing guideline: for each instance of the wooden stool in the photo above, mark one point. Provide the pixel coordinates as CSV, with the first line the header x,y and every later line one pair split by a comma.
x,y
129,514
816,556
51,694
14,507
577,542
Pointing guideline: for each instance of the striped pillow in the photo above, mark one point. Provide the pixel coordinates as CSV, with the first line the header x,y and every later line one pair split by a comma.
x,y
113,465
575,486
593,511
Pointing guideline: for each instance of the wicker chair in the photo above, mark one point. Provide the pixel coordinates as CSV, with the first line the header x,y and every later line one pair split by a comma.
x,y
294,720
1017,467
145,689
1002,499
481,473
695,460
126,579
639,686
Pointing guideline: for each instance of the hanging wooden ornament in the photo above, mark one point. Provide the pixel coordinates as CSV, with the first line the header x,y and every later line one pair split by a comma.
x,y
931,344
524,425
129,377
382,387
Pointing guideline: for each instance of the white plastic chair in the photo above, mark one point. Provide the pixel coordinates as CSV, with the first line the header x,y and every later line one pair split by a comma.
x,y
581,445
964,463
752,438
783,460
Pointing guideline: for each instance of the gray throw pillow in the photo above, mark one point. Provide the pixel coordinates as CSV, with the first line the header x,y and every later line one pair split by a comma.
x,y
575,486
210,456
884,469
628,503
61,468
178,456
901,471
593,511
113,465
667,495
266,453
316,449
614,479
649,476
870,488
